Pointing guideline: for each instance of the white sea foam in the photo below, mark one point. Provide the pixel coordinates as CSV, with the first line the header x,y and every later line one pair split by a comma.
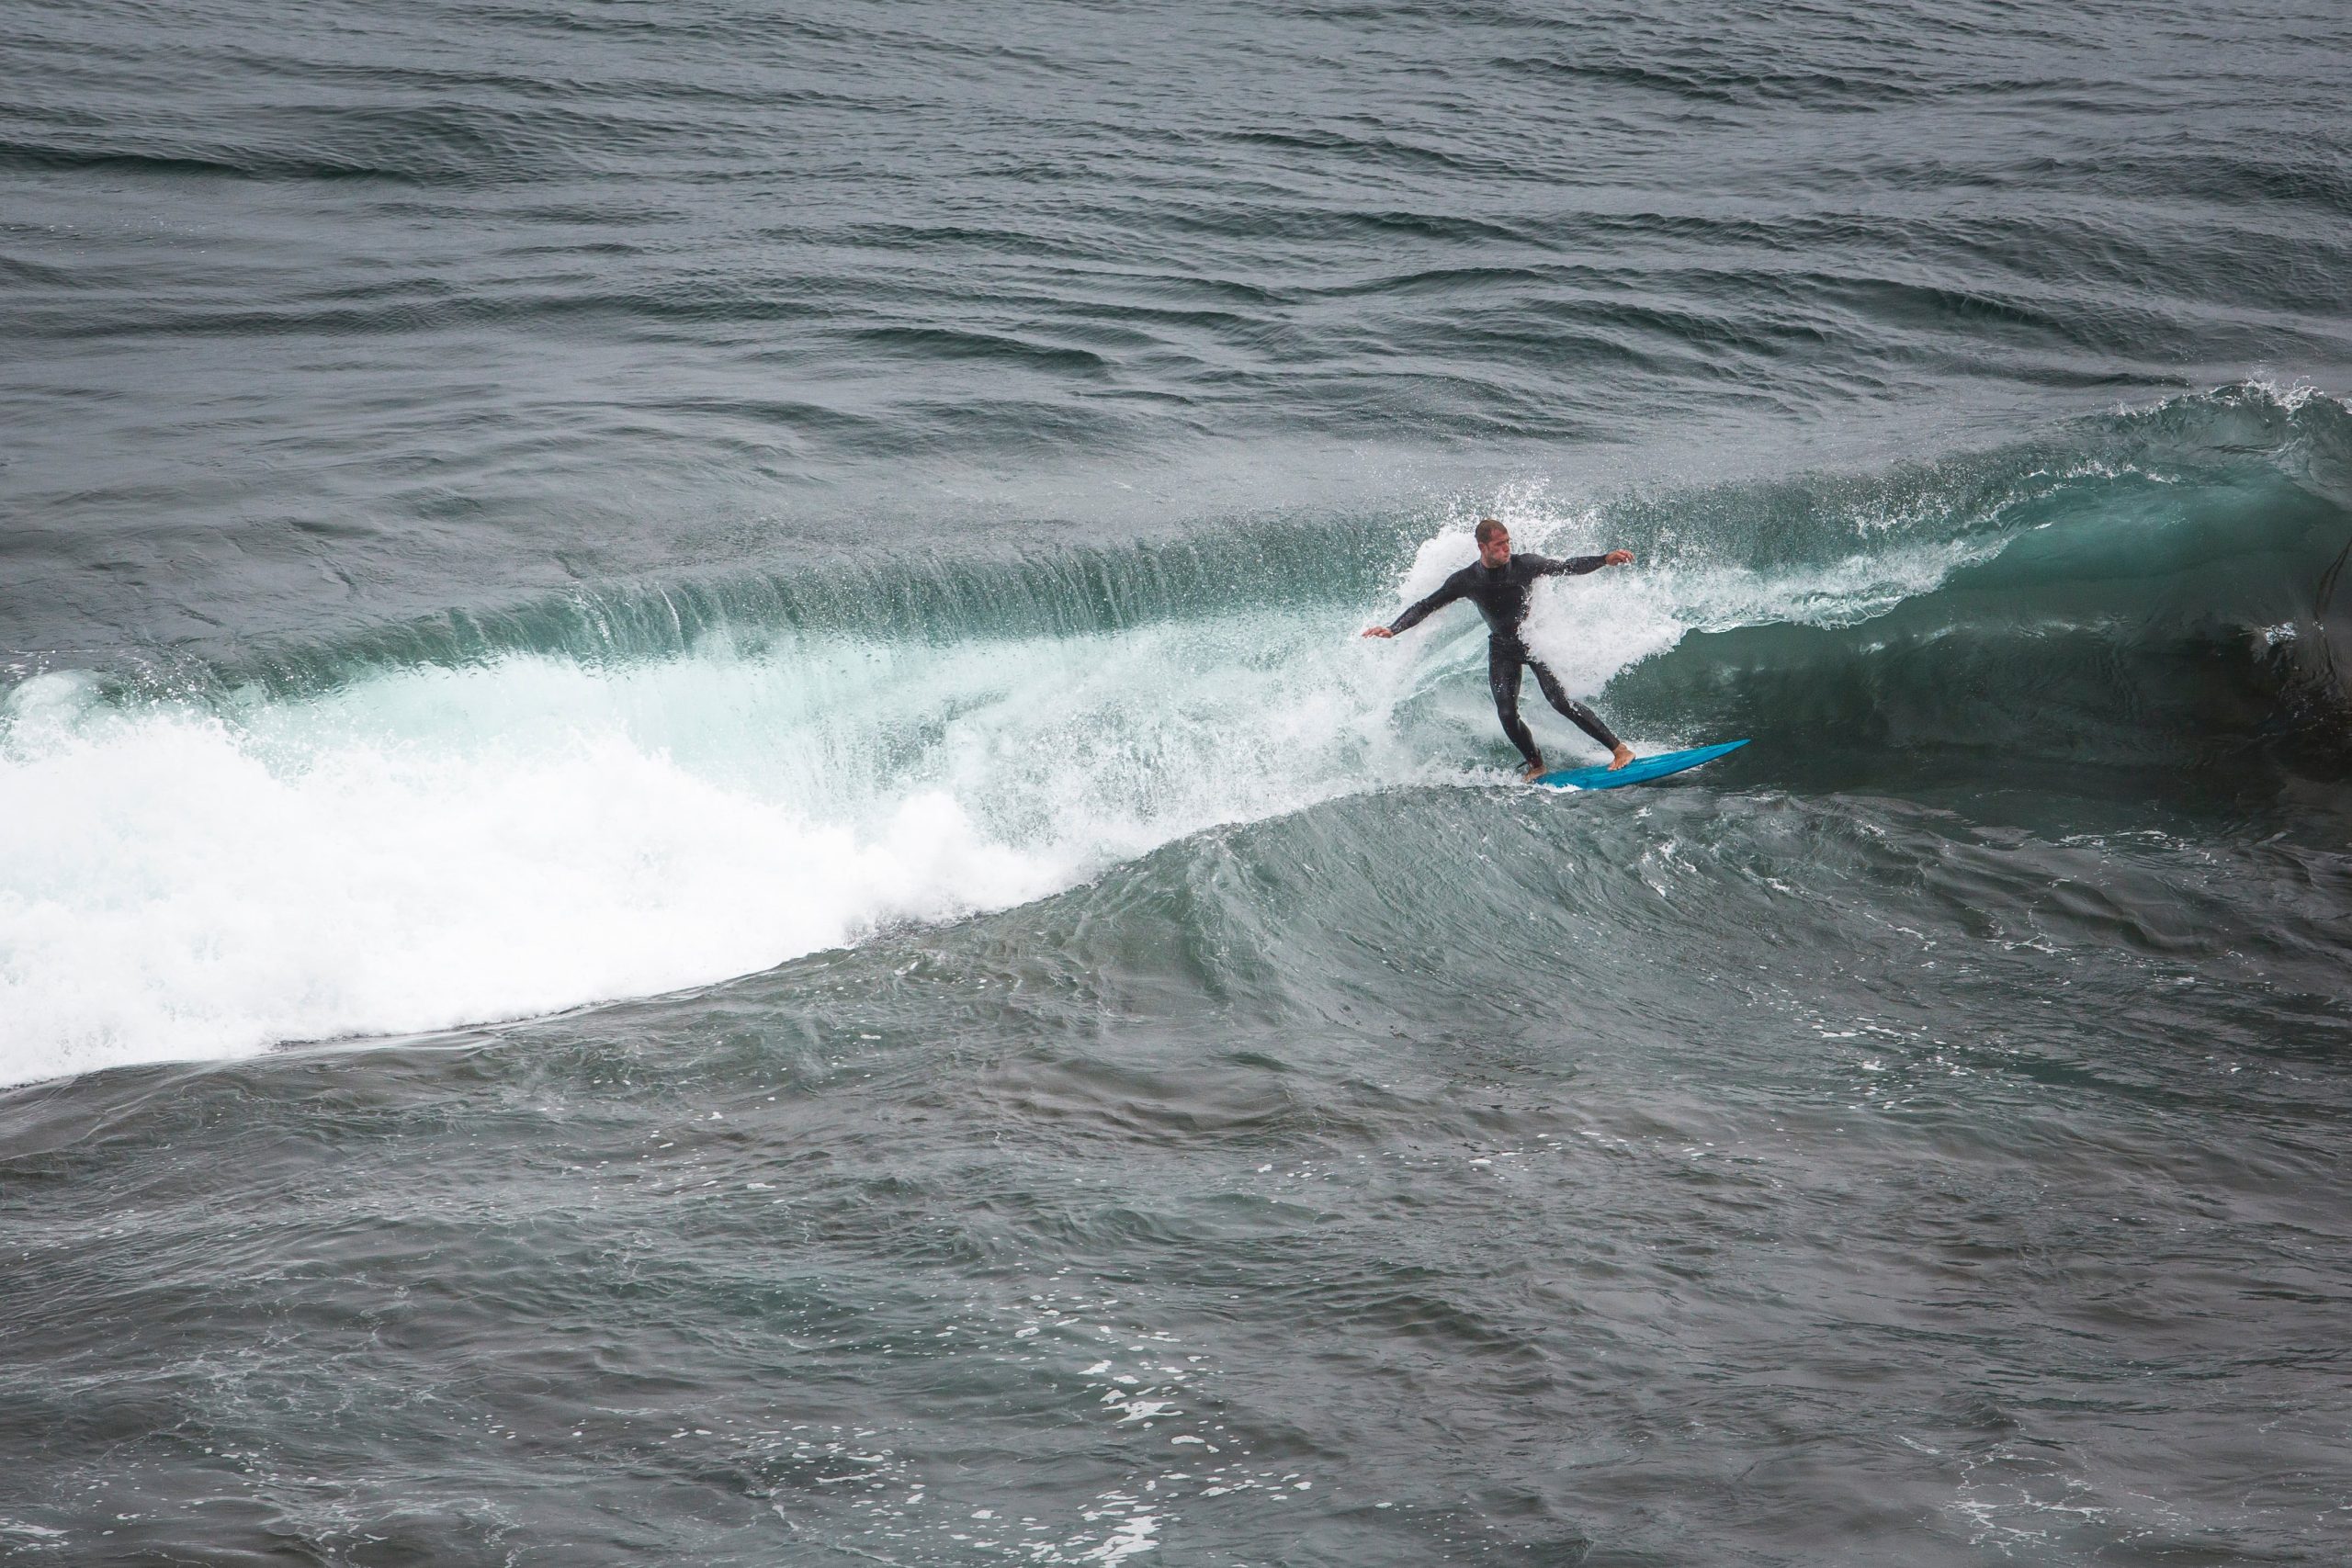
x,y
434,847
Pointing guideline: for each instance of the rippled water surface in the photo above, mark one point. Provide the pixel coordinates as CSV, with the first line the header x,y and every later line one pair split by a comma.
x,y
696,863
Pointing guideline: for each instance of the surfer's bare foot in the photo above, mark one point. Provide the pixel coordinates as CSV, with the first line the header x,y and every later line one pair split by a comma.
x,y
1625,754
1533,768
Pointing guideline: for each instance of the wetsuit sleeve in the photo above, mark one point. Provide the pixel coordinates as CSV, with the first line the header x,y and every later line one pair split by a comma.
x,y
1447,592
1575,566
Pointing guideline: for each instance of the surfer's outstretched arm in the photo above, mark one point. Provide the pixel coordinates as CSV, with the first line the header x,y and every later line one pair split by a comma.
x,y
1577,566
1447,592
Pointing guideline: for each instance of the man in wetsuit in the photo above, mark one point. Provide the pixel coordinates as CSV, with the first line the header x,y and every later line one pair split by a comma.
x,y
1498,583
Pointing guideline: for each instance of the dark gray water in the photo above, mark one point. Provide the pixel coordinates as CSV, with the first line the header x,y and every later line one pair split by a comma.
x,y
697,865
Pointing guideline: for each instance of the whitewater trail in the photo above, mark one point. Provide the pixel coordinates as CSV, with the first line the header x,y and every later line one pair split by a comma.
x,y
429,847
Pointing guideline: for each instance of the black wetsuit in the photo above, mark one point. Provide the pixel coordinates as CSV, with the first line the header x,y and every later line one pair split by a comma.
x,y
1501,594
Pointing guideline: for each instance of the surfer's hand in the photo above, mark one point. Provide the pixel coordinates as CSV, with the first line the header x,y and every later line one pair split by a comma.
x,y
1378,631
1625,753
1618,558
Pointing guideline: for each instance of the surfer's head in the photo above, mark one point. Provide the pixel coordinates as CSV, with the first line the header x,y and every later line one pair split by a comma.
x,y
1494,542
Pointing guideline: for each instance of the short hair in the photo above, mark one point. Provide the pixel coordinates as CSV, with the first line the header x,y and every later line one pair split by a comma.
x,y
1488,529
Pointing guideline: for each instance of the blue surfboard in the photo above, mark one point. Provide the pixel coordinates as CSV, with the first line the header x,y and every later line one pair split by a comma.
x,y
1641,770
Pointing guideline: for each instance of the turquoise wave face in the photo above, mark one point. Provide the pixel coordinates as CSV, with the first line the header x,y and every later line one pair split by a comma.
x,y
2168,603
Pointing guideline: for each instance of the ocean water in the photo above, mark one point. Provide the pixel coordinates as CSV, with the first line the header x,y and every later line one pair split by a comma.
x,y
698,864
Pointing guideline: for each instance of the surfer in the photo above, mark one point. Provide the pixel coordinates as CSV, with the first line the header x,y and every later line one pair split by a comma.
x,y
1498,583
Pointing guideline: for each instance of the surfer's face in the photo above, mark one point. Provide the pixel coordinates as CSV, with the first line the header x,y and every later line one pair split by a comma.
x,y
1495,551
